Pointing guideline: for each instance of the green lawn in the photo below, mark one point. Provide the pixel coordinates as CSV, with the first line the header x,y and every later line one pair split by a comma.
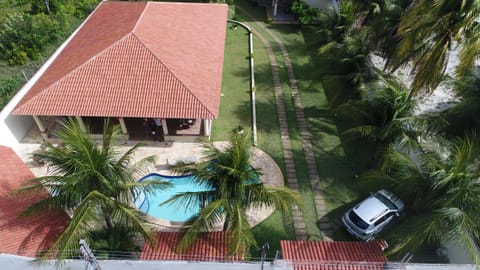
x,y
307,196
337,164
335,167
235,110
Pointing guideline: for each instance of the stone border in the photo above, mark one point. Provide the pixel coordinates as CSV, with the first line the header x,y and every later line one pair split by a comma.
x,y
271,176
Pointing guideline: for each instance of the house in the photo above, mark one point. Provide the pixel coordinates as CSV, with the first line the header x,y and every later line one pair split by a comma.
x,y
129,61
337,255
18,235
212,246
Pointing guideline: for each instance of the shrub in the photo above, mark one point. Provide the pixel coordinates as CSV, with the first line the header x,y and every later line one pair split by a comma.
x,y
305,13
17,56
8,85
84,7
118,243
23,36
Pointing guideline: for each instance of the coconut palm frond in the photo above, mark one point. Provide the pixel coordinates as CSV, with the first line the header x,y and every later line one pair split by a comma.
x,y
280,197
376,180
466,150
133,219
363,131
196,226
148,186
469,52
431,66
353,110
431,161
191,199
78,228
425,228
240,233
91,180
229,172
327,48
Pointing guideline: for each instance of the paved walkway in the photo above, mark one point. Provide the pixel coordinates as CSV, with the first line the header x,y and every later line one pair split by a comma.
x,y
324,222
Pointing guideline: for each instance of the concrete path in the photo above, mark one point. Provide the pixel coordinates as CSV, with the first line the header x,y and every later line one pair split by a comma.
x,y
324,222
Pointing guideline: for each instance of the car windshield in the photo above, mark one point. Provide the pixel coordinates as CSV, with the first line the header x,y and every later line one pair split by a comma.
x,y
357,220
386,201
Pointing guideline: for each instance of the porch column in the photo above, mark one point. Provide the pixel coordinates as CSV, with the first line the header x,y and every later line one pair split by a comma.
x,y
122,125
41,127
207,127
80,122
164,127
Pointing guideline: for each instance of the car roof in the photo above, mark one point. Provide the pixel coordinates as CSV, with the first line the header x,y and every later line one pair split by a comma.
x,y
370,209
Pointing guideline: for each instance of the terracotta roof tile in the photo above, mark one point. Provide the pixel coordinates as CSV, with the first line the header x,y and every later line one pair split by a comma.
x,y
23,236
137,60
316,255
212,247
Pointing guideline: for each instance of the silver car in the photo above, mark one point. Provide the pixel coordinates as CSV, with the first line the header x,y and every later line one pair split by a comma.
x,y
371,215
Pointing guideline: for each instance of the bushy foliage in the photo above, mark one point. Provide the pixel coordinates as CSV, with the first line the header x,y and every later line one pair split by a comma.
x,y
23,36
37,23
305,13
8,85
108,243
84,7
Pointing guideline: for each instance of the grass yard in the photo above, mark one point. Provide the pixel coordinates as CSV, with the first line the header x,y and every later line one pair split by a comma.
x,y
235,110
307,196
337,163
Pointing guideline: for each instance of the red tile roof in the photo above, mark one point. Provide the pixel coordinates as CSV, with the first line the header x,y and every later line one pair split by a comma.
x,y
23,236
315,255
137,59
213,246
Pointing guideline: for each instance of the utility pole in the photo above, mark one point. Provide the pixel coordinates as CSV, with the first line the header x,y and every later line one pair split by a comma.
x,y
87,255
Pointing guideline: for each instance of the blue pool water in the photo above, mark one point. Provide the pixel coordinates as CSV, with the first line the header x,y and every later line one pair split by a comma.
x,y
172,212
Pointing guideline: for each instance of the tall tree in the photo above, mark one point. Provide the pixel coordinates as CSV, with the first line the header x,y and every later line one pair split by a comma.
x,y
234,188
427,33
92,181
442,191
388,116
463,115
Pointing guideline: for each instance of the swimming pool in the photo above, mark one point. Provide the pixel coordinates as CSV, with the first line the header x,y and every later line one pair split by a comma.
x,y
150,204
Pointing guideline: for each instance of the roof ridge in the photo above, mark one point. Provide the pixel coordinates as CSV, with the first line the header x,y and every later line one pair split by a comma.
x,y
66,76
173,74
140,17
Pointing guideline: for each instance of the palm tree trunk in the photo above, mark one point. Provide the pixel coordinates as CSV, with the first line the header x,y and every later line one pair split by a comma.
x,y
108,222
225,225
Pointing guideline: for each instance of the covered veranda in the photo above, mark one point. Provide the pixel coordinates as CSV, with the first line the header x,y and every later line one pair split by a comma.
x,y
173,129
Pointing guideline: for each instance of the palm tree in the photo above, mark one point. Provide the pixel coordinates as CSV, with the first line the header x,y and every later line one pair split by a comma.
x,y
92,181
234,188
389,116
442,195
428,31
463,114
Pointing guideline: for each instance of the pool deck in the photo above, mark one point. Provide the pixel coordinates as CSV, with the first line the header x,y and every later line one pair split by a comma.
x,y
163,151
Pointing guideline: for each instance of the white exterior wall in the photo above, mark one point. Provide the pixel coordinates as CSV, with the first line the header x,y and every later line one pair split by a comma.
x,y
12,262
457,253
